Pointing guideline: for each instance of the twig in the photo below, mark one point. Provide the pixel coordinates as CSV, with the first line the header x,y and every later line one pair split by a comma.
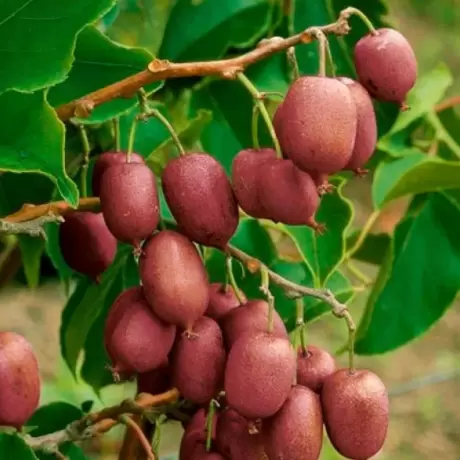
x,y
447,104
129,422
32,227
226,68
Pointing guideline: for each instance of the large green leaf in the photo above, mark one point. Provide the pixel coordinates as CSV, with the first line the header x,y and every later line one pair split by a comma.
x,y
207,29
372,249
32,140
422,282
13,447
413,174
53,251
38,38
98,63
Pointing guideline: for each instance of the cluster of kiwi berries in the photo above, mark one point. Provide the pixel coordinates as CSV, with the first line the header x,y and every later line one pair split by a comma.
x,y
207,340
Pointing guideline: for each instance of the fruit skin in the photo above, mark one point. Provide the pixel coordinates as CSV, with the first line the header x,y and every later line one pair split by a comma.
x,y
86,243
249,319
200,453
234,439
198,362
174,278
317,125
20,377
296,430
263,367
221,301
135,338
201,199
105,161
366,131
245,173
129,202
386,65
156,381
287,194
314,365
355,411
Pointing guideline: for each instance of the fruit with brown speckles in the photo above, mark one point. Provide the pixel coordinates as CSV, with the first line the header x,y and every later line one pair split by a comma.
x,y
386,65
104,162
222,300
314,365
249,319
20,380
296,430
235,439
317,125
200,453
355,411
198,362
174,278
201,199
156,381
245,173
259,373
87,245
129,202
135,338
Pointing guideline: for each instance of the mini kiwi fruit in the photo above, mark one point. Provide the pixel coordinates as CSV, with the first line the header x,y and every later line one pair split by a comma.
x,y
314,365
222,299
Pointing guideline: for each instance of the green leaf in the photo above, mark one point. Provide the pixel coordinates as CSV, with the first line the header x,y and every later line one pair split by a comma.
x,y
53,417
53,250
32,140
421,283
100,62
413,174
39,38
15,448
83,308
69,450
323,253
31,251
373,248
206,31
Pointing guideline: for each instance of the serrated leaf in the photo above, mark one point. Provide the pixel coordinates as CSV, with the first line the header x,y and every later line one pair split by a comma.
x,y
31,251
100,62
39,38
15,448
32,140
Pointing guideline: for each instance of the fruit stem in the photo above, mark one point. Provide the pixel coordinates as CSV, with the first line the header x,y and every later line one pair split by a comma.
x,y
292,59
351,348
354,11
258,100
231,278
322,45
209,420
362,236
84,166
116,131
255,126
299,307
330,57
129,422
132,136
265,289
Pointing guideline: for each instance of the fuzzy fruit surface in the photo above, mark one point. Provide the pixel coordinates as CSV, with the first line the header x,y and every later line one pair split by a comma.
x,y
249,319
201,199
104,161
156,381
87,245
135,338
366,130
287,194
200,453
20,380
245,179
174,278
314,365
355,411
259,374
129,202
386,65
317,124
234,439
296,430
198,362
222,299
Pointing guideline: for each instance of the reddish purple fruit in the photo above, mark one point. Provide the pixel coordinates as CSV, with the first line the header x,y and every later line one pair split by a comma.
x,y
314,365
250,319
201,199
174,278
236,438
86,243
200,453
104,161
386,65
259,373
135,338
355,411
129,202
20,380
317,125
296,430
156,381
198,362
245,173
222,300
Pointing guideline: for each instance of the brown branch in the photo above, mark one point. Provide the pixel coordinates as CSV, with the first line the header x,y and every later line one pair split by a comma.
x,y
447,104
225,68
130,423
